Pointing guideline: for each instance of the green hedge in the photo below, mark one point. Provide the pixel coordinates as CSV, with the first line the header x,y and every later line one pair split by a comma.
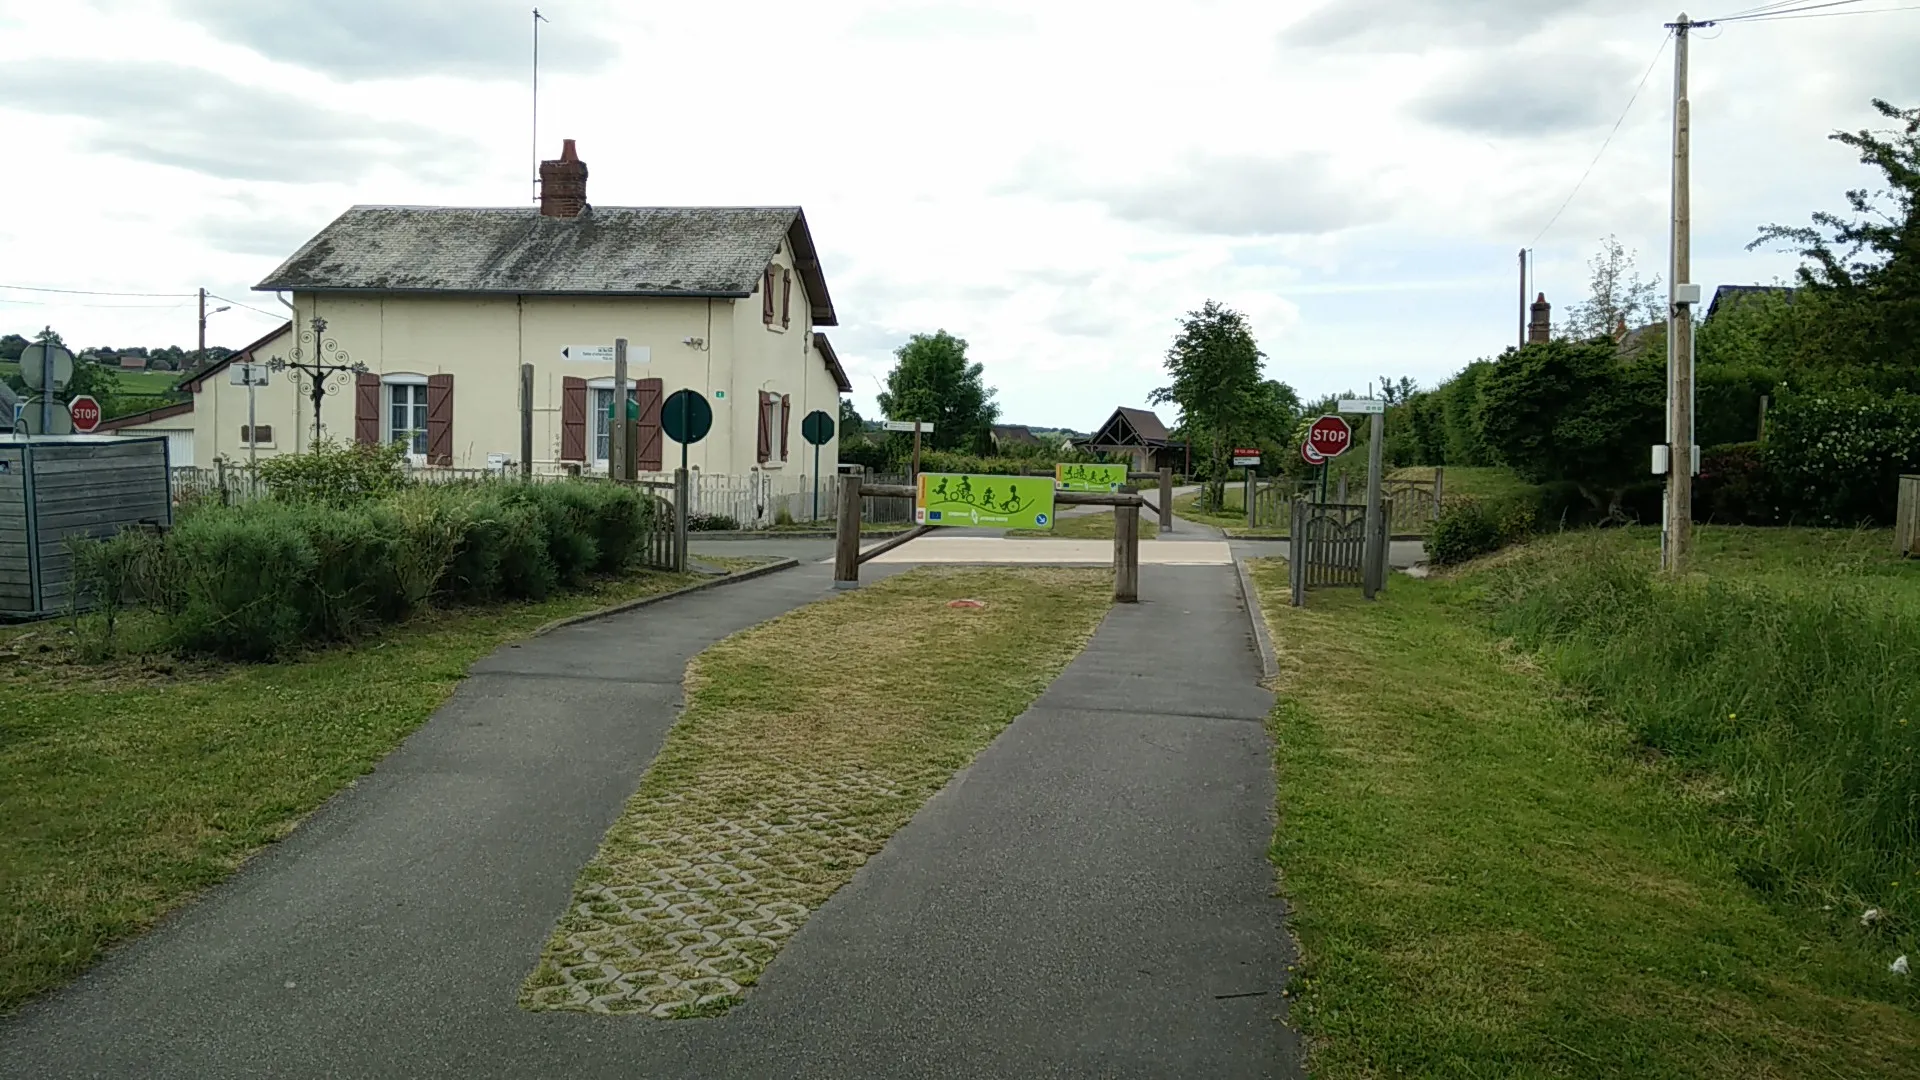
x,y
259,580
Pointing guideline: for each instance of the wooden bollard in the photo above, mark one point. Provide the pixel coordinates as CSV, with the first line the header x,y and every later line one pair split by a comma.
x,y
1126,549
846,547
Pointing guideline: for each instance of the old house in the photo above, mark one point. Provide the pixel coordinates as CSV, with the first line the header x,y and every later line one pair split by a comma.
x,y
442,306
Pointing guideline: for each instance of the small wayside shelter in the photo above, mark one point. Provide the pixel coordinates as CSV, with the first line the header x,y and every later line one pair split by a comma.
x,y
1138,435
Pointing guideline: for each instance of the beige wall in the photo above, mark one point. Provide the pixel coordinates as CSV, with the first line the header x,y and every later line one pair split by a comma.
x,y
481,342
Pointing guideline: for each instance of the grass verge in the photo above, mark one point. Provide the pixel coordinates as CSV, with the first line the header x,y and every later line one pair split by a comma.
x,y
1094,526
1472,481
1487,880
133,784
798,755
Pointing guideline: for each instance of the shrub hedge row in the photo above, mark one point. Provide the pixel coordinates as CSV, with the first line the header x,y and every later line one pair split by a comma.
x,y
259,580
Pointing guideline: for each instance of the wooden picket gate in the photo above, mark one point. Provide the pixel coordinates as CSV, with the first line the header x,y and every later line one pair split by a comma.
x,y
1327,547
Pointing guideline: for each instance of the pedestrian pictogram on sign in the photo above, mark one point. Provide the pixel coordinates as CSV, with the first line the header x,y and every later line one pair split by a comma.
x,y
85,412
1329,437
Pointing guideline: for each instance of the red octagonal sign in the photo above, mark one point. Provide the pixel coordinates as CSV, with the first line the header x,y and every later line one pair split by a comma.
x,y
85,412
1330,436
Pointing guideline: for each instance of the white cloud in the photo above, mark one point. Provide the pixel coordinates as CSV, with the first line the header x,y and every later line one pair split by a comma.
x,y
1056,181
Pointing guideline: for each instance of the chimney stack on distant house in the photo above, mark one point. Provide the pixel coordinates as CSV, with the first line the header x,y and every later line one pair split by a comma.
x,y
1541,328
563,184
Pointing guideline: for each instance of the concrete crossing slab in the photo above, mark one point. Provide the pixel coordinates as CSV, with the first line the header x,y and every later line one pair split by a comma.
x,y
1037,552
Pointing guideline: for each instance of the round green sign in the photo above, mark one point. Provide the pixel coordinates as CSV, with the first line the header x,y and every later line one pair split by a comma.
x,y
686,416
817,428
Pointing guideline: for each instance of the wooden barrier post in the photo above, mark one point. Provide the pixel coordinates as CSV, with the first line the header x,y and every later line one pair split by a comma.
x,y
1439,488
682,502
1906,517
1126,550
1166,499
1297,552
846,547
526,421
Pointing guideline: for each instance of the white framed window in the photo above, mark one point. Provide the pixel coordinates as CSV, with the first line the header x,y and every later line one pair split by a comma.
x,y
600,404
406,413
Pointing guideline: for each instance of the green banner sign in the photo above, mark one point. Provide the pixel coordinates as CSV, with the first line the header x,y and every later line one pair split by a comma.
x,y
1089,477
999,502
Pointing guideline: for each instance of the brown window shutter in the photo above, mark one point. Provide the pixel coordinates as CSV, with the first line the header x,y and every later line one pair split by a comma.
x,y
439,419
650,393
786,411
786,298
366,409
573,419
766,432
766,297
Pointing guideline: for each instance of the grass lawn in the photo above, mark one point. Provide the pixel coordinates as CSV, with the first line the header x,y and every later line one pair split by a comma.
x,y
1094,526
805,743
132,785
1489,879
1466,480
131,382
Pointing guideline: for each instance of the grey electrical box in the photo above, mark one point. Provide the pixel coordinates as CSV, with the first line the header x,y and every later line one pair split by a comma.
x,y
1661,452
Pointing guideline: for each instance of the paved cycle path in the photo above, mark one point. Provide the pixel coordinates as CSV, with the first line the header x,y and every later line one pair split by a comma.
x,y
1090,897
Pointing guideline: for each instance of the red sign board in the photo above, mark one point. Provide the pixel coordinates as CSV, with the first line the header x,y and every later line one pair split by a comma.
x,y
1312,456
1329,437
85,412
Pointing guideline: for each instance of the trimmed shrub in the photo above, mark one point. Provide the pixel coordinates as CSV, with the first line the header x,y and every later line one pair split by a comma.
x,y
1475,527
353,584
712,523
245,579
1839,454
566,517
1734,486
335,474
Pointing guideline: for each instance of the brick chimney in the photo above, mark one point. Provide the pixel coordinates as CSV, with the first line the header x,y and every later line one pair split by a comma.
x,y
563,184
1541,326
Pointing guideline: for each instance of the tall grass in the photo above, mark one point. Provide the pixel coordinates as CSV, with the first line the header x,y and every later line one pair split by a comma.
x,y
1794,701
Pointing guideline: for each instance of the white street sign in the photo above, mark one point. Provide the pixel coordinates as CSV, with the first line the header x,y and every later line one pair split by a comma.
x,y
908,425
592,354
1362,405
247,375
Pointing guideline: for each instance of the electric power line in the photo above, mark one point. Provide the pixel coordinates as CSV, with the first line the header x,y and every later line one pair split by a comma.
x,y
110,307
97,292
249,307
1776,11
1608,141
1835,14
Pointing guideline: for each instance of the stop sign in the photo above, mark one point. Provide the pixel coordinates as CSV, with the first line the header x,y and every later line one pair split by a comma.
x,y
1330,436
85,412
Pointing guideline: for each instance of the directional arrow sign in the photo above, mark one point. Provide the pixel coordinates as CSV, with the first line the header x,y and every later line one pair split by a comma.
x,y
925,426
593,354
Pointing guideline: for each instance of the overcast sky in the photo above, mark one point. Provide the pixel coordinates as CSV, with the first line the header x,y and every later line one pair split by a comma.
x,y
1057,181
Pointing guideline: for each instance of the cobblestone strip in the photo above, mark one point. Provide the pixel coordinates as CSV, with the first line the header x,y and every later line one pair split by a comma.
x,y
784,779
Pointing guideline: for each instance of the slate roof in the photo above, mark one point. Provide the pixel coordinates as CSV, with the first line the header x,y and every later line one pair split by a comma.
x,y
606,251
832,359
244,353
1733,294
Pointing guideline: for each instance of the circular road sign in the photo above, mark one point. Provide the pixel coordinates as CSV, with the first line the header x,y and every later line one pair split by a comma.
x,y
686,416
33,366
1330,436
817,428
85,412
1312,456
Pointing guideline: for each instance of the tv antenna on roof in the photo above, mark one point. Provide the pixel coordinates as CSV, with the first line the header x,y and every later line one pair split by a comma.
x,y
537,20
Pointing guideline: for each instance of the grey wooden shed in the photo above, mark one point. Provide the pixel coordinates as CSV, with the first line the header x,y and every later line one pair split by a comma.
x,y
52,489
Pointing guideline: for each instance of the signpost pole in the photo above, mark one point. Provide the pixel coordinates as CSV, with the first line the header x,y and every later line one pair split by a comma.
x,y
680,501
1166,498
1374,549
916,452
816,481
1325,464
1249,497
46,380
253,431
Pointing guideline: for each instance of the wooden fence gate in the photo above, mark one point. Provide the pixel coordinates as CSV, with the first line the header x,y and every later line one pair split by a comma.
x,y
1327,546
1906,518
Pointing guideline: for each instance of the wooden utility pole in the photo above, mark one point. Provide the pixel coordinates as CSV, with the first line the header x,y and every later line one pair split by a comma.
x,y
1523,298
1677,535
846,548
200,357
1126,549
